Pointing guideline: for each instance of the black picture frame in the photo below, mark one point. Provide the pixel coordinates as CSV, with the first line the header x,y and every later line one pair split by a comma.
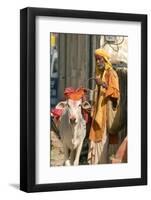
x,y
28,99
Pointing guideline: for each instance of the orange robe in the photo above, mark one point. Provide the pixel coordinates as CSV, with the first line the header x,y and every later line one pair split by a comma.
x,y
99,115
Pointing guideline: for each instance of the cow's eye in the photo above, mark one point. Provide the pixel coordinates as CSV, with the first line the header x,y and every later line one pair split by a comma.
x,y
68,105
80,105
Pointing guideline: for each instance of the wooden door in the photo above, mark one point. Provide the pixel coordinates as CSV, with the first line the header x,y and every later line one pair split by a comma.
x,y
76,60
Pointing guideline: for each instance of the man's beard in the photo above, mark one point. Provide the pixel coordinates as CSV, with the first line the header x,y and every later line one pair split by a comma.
x,y
100,66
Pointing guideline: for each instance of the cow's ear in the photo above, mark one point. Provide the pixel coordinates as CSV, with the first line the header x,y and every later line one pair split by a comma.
x,y
61,105
86,105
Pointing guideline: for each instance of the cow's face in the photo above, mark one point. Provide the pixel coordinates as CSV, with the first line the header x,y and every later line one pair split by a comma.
x,y
74,110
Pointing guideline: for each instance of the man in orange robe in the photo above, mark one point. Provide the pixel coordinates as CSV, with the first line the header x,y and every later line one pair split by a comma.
x,y
106,100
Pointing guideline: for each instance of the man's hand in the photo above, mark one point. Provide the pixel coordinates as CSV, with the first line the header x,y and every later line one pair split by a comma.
x,y
104,85
100,83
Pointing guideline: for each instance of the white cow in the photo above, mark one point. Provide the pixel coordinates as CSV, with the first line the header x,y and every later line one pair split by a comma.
x,y
72,129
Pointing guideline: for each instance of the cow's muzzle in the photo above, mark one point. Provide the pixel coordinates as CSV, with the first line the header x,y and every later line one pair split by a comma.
x,y
73,120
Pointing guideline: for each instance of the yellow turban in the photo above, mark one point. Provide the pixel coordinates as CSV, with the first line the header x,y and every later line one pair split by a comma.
x,y
105,55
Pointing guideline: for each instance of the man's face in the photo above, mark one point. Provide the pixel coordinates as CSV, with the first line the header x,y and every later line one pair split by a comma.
x,y
100,61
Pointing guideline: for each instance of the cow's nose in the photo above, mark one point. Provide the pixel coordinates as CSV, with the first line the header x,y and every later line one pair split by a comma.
x,y
72,120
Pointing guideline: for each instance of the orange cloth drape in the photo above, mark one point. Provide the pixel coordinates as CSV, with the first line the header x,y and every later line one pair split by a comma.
x,y
74,94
